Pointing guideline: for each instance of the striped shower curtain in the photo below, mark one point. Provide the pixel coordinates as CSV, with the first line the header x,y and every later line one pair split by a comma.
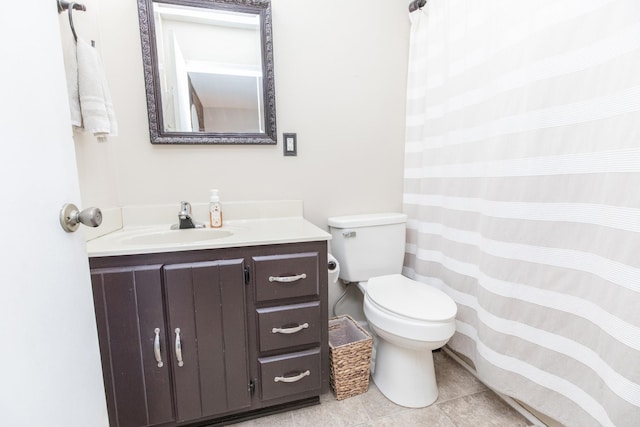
x,y
522,186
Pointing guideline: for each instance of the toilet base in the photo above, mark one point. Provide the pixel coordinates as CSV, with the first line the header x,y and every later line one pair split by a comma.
x,y
405,376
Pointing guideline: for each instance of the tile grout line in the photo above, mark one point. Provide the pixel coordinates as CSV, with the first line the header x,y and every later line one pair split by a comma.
x,y
508,400
464,395
363,407
445,412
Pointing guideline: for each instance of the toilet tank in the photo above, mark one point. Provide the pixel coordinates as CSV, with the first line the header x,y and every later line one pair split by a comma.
x,y
368,245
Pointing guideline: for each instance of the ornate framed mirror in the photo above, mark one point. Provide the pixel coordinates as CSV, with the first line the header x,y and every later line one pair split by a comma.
x,y
208,71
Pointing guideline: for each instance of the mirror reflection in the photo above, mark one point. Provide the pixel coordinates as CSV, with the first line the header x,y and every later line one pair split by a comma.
x,y
214,86
209,71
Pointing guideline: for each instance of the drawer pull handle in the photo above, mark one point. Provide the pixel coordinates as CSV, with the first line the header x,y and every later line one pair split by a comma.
x,y
156,348
287,279
292,379
290,330
179,348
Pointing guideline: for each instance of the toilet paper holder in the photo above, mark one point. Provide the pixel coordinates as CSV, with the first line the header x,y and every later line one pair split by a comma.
x,y
333,267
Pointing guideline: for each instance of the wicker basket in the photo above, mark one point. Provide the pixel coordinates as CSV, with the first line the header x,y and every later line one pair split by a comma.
x,y
350,356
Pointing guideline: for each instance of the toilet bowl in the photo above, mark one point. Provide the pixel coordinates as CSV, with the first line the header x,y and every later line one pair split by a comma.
x,y
409,318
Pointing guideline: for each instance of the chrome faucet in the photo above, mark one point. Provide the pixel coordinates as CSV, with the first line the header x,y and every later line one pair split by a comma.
x,y
185,219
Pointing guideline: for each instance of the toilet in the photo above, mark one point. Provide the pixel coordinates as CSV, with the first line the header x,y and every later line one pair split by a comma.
x,y
410,319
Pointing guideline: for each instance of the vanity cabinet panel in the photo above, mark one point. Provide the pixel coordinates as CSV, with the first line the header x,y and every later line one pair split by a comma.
x,y
207,320
128,305
290,374
226,308
286,276
286,326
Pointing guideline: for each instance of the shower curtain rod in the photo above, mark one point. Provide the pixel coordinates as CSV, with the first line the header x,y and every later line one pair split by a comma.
x,y
416,4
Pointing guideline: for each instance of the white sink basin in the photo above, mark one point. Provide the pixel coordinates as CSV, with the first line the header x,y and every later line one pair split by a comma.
x,y
191,235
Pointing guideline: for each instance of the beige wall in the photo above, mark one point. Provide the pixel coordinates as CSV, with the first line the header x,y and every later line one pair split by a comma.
x,y
340,75
340,69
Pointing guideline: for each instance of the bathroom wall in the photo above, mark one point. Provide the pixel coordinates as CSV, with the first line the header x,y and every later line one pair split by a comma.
x,y
340,70
96,161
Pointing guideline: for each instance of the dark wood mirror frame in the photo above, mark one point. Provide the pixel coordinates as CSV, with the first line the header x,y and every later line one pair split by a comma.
x,y
152,82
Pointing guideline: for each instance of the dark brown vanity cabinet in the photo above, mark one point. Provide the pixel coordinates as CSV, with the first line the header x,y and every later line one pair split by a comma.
x,y
192,338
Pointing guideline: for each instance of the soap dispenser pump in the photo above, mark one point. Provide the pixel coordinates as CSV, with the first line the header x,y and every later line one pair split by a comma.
x,y
215,210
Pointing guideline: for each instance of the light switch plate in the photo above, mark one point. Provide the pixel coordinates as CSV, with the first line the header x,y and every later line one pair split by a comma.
x,y
290,144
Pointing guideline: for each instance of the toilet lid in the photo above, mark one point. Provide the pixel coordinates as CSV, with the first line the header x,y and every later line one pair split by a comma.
x,y
408,298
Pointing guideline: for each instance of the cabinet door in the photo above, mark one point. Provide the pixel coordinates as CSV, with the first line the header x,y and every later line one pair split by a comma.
x,y
129,311
206,318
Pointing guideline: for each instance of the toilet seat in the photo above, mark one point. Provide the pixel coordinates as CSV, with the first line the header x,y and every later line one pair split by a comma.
x,y
408,298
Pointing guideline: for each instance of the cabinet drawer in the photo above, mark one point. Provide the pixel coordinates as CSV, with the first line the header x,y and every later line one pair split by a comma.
x,y
290,374
286,276
289,325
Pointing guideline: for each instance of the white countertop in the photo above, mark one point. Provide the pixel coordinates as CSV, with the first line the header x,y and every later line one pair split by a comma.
x,y
267,229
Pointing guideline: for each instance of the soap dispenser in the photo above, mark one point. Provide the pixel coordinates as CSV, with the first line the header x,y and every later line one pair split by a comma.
x,y
215,210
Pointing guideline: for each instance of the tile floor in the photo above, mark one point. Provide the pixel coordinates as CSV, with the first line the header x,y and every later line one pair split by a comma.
x,y
463,401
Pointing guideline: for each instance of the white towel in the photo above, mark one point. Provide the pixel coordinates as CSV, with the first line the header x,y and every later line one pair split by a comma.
x,y
98,115
71,70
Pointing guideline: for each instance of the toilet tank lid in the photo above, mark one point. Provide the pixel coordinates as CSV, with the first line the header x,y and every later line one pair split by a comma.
x,y
366,220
